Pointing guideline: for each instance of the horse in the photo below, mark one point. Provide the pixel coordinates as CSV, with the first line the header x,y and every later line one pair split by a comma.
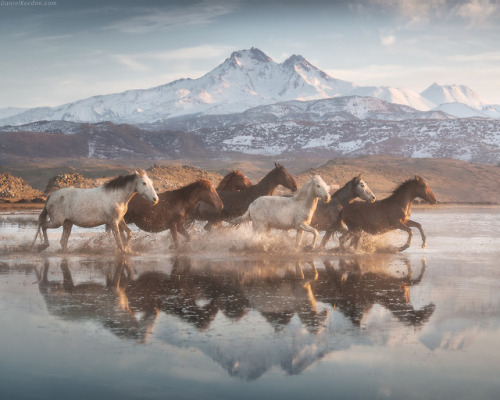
x,y
173,209
288,212
236,203
233,182
327,215
87,208
387,214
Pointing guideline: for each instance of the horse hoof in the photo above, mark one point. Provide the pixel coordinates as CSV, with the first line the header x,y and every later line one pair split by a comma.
x,y
42,247
403,248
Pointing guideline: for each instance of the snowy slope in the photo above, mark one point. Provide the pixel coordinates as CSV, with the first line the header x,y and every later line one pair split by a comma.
x,y
441,94
404,97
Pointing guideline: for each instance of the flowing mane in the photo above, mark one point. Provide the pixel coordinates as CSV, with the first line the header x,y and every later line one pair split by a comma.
x,y
403,187
234,173
119,182
302,194
185,191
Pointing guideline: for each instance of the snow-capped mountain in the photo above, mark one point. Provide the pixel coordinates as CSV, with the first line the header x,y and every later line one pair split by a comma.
x,y
246,79
442,94
397,96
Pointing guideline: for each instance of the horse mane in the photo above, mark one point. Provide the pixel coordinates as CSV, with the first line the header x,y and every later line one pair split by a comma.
x,y
302,194
228,177
119,182
404,186
186,190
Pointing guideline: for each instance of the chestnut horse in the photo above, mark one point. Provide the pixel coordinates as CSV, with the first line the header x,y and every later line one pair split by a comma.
x,y
236,203
173,209
387,214
233,182
327,215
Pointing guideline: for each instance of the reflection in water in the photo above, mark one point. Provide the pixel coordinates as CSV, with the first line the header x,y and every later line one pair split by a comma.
x,y
290,296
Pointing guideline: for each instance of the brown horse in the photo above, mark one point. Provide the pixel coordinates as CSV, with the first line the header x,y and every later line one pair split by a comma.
x,y
236,203
387,214
327,215
173,209
233,182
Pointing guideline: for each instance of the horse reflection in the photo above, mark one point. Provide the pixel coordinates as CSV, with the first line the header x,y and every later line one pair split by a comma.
x,y
357,285
104,302
194,297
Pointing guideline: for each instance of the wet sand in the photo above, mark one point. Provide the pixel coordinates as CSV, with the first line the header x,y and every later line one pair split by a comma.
x,y
233,315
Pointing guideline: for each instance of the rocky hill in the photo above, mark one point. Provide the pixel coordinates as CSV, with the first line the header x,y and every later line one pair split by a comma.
x,y
14,189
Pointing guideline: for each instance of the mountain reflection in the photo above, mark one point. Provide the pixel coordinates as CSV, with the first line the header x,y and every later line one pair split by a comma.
x,y
288,295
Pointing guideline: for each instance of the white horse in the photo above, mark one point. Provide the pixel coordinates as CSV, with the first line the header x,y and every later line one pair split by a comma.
x,y
288,212
87,208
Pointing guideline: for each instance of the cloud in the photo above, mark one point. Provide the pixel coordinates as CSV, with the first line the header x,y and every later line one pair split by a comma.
x,y
148,20
477,11
130,62
387,40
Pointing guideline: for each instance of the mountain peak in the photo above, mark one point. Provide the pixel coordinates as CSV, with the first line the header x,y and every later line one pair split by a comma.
x,y
253,54
442,94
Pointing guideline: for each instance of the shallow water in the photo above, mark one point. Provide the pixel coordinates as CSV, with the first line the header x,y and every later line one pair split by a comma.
x,y
239,316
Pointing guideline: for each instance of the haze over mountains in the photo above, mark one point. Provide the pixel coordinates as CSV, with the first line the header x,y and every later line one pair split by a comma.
x,y
251,104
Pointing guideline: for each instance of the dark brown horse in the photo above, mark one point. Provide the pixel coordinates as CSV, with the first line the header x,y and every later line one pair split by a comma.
x,y
173,209
327,215
387,214
236,203
233,182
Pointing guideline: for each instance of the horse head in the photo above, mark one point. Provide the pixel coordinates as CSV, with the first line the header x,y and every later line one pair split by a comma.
x,y
320,188
424,191
284,178
234,181
144,187
362,190
209,194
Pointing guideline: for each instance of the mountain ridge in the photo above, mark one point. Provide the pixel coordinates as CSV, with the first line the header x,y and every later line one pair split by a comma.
x,y
246,79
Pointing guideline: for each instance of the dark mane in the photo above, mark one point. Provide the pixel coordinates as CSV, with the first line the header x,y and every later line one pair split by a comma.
x,y
404,186
119,182
228,177
186,190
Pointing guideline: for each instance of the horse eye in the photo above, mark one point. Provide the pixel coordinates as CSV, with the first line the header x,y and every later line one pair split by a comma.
x,y
144,183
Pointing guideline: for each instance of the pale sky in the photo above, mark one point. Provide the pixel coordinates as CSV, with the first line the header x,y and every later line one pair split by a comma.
x,y
55,54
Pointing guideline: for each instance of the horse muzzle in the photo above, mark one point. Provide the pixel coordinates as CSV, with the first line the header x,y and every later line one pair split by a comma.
x,y
154,200
327,198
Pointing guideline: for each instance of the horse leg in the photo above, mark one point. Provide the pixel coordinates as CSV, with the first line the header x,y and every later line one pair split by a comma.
x,y
182,230
173,232
414,224
67,225
298,238
305,227
326,238
44,226
125,233
405,228
115,228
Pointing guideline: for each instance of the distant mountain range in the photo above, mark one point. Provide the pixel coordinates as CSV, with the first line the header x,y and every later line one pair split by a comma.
x,y
247,79
253,105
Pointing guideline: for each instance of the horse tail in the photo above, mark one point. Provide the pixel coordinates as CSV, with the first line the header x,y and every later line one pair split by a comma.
x,y
41,219
239,220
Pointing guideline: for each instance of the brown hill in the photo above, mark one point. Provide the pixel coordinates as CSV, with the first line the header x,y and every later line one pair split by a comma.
x,y
451,180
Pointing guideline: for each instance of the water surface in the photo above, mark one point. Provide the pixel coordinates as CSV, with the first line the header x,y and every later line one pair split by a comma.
x,y
243,317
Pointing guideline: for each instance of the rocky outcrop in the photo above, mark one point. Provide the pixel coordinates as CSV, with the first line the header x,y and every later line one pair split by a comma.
x,y
13,188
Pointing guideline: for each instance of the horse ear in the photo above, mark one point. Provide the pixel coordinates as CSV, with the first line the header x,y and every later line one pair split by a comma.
x,y
277,165
359,177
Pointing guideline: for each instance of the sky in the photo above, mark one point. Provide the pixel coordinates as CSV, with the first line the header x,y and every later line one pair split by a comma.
x,y
57,51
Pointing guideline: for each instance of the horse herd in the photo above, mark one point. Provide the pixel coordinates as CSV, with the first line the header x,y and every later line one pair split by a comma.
x,y
236,200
